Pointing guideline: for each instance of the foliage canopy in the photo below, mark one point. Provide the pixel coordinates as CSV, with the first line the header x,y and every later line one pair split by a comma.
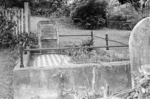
x,y
90,14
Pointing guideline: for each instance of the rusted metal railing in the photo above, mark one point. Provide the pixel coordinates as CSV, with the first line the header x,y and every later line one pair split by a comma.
x,y
21,48
65,48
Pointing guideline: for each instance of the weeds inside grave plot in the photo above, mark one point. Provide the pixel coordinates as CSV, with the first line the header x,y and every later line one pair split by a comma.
x,y
91,55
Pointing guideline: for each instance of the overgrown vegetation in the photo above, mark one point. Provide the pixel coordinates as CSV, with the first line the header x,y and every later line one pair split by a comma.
x,y
93,55
29,38
47,8
135,3
90,14
122,12
142,87
8,36
8,39
87,14
6,32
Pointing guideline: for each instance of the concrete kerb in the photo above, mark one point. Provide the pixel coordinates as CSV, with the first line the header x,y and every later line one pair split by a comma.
x,y
29,81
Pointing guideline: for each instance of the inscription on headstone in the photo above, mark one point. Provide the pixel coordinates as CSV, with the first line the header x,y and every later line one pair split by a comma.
x,y
49,32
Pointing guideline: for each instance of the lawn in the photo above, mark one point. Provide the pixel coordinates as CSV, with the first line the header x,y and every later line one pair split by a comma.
x,y
64,28
7,63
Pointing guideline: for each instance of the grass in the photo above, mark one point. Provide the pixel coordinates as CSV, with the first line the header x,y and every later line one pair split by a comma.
x,y
65,28
7,63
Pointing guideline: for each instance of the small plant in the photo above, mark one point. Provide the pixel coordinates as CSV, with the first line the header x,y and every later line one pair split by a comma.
x,y
29,38
62,78
142,87
87,43
92,55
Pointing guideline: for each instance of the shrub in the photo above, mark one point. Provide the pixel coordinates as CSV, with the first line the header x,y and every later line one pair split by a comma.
x,y
6,28
49,8
65,10
90,15
126,13
30,39
87,43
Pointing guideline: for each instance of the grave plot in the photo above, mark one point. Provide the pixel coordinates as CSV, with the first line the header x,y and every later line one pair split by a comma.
x,y
47,75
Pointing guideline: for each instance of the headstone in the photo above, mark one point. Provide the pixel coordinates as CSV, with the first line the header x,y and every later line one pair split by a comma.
x,y
48,34
139,46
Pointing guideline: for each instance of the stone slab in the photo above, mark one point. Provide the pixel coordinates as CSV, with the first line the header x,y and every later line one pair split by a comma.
x,y
47,34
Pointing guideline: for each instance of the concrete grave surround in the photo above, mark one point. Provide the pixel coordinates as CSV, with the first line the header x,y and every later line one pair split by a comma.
x,y
46,83
139,45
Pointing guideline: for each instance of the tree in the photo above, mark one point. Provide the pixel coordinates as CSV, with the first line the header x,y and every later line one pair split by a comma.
x,y
89,15
135,3
128,1
15,3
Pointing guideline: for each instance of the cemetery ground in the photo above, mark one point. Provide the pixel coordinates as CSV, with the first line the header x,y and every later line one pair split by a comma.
x,y
9,56
65,28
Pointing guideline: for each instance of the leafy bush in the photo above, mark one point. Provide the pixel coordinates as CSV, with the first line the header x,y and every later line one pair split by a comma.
x,y
126,13
42,9
93,55
141,89
6,32
30,39
65,10
7,39
49,8
90,15
135,3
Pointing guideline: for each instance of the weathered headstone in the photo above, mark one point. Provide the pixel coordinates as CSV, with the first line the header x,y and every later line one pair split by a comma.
x,y
48,34
139,46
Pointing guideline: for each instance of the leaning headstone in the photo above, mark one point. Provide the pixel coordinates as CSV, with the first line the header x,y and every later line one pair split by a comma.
x,y
139,46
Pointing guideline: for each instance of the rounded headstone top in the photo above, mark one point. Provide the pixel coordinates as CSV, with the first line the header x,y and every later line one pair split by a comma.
x,y
139,44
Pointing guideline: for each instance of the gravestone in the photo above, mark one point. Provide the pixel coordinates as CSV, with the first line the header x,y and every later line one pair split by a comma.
x,y
47,34
139,46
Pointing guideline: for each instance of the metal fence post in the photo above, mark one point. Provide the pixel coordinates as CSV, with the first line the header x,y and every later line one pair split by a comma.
x,y
106,38
92,39
21,54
